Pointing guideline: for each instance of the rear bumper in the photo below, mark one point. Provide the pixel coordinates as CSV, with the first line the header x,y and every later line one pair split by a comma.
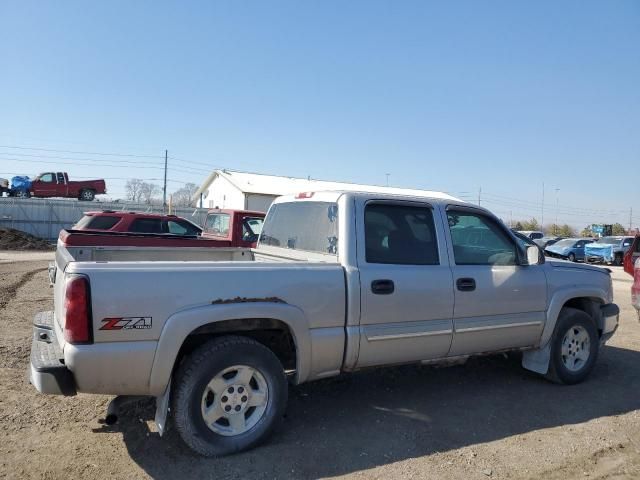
x,y
610,314
47,371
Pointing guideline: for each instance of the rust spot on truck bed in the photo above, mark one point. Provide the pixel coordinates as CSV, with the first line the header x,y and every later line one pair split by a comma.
x,y
224,301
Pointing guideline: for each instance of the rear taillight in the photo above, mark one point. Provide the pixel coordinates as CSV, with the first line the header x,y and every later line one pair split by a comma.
x,y
77,306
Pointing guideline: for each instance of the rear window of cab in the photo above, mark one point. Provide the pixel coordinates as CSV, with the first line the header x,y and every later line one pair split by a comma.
x,y
96,222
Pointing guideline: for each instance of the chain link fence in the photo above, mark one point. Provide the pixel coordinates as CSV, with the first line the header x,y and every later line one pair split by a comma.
x,y
45,218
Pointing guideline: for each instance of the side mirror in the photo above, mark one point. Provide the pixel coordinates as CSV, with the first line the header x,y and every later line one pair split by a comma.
x,y
533,255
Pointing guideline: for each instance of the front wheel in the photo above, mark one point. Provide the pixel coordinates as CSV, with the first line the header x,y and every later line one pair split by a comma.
x,y
574,347
571,257
229,396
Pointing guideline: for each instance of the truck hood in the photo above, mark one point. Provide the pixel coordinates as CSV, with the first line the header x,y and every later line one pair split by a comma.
x,y
576,266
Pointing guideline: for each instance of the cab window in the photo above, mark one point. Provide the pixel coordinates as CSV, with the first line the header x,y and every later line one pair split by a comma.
x,y
47,178
400,235
177,227
479,240
217,224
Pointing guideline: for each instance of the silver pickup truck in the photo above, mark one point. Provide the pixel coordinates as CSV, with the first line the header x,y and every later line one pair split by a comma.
x,y
339,281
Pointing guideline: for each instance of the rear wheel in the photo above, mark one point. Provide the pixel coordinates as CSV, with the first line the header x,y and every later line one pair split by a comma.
x,y
230,394
87,195
22,194
617,261
574,347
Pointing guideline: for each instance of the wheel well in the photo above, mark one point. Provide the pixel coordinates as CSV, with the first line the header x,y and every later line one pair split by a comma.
x,y
590,306
273,334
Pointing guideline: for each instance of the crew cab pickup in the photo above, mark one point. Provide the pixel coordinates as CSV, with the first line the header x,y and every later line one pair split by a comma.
x,y
339,281
57,184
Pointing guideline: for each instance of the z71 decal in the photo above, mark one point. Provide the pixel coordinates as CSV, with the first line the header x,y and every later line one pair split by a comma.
x,y
126,323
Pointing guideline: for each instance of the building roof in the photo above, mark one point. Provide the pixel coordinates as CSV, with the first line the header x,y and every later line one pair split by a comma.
x,y
277,185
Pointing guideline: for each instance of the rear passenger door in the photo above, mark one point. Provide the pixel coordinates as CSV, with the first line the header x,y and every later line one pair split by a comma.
x,y
406,290
499,302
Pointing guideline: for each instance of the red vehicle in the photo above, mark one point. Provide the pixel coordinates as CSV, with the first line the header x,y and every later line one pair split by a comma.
x,y
632,255
136,222
635,288
236,228
57,184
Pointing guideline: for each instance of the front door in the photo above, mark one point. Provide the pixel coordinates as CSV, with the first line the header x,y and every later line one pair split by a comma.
x,y
45,185
500,303
406,286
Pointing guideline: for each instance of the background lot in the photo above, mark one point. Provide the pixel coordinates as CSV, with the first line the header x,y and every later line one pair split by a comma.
x,y
486,419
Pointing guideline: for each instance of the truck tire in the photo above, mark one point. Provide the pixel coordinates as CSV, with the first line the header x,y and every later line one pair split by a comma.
x,y
617,260
228,396
87,195
22,194
574,347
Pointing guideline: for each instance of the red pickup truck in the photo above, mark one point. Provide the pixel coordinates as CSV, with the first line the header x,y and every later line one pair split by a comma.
x,y
236,228
632,255
57,184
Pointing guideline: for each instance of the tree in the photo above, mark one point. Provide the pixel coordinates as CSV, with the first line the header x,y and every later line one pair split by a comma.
x,y
618,229
149,192
182,196
519,226
566,231
586,231
133,188
531,225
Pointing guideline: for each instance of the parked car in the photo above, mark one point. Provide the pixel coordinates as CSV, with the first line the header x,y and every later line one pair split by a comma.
x,y
239,228
571,249
608,250
632,255
339,281
136,222
545,242
532,234
56,184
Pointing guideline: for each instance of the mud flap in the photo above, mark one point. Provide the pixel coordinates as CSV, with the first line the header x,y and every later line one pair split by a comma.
x,y
162,409
537,360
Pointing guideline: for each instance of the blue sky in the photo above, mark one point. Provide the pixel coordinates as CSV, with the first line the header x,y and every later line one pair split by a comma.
x,y
453,95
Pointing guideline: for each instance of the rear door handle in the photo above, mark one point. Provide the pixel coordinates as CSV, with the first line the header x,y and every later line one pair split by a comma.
x,y
382,287
466,284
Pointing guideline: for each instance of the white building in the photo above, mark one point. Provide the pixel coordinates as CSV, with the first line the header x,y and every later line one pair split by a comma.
x,y
254,191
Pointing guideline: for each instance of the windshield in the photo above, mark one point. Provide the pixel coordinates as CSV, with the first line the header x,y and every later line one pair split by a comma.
x,y
609,240
565,243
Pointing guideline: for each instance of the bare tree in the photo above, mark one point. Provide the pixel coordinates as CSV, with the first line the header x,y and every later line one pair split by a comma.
x,y
148,192
133,189
182,196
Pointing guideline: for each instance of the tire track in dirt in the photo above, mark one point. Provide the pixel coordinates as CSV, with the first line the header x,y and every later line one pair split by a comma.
x,y
9,291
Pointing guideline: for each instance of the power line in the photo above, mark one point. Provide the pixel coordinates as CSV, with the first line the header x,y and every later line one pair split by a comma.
x,y
82,152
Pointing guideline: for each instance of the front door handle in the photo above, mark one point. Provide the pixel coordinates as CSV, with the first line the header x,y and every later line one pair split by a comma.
x,y
466,284
382,287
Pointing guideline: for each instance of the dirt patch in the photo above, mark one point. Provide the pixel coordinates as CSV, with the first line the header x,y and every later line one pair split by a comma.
x,y
11,239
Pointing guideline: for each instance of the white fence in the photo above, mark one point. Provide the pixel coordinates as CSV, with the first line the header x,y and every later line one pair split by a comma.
x,y
45,218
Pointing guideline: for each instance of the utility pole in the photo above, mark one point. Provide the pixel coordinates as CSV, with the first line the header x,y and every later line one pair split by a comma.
x,y
479,195
555,228
542,219
164,189
630,219
387,174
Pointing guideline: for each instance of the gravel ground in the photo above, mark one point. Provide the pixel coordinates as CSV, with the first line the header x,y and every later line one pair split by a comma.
x,y
485,419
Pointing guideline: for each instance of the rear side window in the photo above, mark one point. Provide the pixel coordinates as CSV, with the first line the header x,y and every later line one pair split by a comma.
x,y
308,226
401,235
146,225
96,222
177,227
217,224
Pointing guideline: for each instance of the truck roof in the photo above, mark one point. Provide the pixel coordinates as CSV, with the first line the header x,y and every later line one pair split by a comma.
x,y
385,192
